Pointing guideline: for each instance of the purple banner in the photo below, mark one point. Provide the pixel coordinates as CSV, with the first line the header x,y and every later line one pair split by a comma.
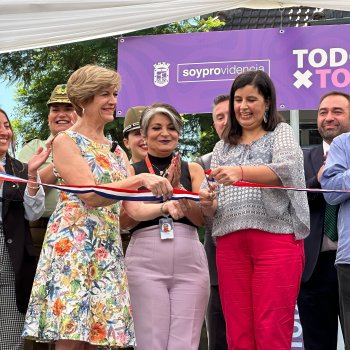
x,y
189,70
297,341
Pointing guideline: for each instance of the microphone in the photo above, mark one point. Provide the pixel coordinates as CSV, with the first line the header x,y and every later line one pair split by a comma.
x,y
114,146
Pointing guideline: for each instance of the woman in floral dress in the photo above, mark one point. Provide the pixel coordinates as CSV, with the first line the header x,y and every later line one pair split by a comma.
x,y
80,295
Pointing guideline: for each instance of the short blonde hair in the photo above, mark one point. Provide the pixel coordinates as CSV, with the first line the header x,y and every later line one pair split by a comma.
x,y
85,82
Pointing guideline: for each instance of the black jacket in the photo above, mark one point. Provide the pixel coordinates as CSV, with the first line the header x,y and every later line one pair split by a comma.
x,y
313,160
18,240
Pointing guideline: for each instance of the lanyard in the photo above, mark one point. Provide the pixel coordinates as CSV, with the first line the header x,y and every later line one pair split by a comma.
x,y
163,173
149,165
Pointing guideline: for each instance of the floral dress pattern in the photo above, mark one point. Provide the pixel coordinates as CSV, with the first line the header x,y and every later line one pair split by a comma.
x,y
80,291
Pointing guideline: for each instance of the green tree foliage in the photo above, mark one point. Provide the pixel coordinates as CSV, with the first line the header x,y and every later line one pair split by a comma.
x,y
198,135
37,72
192,25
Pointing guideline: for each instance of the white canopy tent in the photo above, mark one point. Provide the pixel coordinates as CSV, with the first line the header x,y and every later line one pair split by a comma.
x,y
28,24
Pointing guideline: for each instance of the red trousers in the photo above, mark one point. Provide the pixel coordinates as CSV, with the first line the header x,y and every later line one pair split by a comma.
x,y
259,277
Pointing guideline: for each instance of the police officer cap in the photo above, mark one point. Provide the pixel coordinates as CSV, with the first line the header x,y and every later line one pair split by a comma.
x,y
132,119
59,95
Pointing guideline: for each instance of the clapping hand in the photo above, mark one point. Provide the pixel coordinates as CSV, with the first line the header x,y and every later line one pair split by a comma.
x,y
173,173
38,159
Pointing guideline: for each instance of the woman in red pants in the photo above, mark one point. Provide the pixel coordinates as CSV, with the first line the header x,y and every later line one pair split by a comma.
x,y
259,231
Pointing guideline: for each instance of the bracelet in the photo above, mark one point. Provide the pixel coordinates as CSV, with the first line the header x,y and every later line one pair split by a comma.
x,y
162,210
241,172
32,176
32,187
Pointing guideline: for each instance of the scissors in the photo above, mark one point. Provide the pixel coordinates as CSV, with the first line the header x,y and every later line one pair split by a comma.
x,y
210,183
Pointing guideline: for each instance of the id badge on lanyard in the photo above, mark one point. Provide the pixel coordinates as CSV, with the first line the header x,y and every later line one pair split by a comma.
x,y
166,228
166,224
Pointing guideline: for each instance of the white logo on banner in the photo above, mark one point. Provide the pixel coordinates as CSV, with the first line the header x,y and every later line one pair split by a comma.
x,y
161,74
326,68
302,79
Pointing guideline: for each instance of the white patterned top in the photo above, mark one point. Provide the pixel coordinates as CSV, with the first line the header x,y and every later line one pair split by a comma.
x,y
271,210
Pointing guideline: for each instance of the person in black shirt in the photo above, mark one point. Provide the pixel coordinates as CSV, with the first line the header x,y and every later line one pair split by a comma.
x,y
167,268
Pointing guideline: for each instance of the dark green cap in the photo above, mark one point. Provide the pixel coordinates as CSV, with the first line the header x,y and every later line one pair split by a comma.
x,y
132,119
59,95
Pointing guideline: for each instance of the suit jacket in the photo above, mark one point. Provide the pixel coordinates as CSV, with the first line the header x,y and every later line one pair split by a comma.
x,y
209,246
18,240
313,160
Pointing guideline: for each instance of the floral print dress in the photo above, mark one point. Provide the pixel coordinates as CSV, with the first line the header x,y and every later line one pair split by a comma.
x,y
80,291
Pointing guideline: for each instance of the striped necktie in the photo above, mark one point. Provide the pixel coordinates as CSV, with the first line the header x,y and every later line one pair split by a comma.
x,y
330,221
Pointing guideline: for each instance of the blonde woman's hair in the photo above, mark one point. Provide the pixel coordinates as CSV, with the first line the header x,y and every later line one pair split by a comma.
x,y
85,82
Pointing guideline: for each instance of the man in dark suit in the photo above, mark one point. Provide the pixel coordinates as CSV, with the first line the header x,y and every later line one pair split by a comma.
x,y
215,322
318,300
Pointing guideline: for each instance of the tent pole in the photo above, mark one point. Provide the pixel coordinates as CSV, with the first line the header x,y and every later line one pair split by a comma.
x,y
294,123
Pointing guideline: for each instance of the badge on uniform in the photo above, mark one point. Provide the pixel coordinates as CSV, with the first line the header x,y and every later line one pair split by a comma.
x,y
166,228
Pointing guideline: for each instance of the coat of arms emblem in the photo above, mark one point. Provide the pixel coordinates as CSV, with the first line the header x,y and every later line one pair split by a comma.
x,y
161,74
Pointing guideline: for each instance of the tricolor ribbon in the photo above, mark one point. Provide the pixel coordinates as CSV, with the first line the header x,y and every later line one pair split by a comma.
x,y
146,195
108,192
